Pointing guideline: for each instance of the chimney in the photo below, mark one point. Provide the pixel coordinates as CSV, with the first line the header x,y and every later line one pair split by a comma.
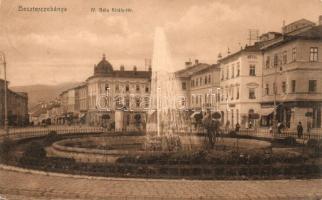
x,y
188,64
320,20
196,61
122,68
219,56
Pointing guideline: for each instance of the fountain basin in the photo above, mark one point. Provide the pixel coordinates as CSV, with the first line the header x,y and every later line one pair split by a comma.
x,y
107,149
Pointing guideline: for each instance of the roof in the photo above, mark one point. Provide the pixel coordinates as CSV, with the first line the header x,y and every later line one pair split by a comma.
x,y
187,72
314,33
125,74
103,67
300,21
252,48
211,67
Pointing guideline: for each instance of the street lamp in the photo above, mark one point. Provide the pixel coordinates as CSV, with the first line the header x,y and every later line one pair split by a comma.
x,y
5,94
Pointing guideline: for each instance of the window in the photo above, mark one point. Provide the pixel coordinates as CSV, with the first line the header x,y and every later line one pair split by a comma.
x,y
237,93
107,87
251,57
146,89
238,70
284,87
184,85
222,75
127,88
284,57
252,71
209,79
268,60
275,60
137,88
274,88
232,71
312,85
251,93
294,54
197,83
117,88
313,54
137,102
227,73
200,81
267,89
192,83
232,94
206,80
293,85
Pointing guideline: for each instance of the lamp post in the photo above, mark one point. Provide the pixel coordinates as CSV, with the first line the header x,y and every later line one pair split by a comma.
x,y
5,94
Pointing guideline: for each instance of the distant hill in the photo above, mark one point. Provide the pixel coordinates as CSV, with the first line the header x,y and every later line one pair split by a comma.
x,y
37,93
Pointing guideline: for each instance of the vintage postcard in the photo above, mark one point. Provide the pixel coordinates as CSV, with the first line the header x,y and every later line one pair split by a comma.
x,y
160,99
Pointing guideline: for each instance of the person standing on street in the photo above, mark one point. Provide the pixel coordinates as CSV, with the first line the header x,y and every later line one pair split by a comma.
x,y
299,130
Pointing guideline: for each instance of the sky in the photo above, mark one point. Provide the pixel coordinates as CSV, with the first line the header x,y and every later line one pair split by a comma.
x,y
56,47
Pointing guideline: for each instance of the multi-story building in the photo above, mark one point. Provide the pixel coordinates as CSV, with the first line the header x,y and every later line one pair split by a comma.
x,y
117,96
200,83
110,98
292,76
240,86
17,107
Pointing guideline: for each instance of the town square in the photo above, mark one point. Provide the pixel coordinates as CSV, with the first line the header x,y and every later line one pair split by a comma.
x,y
161,99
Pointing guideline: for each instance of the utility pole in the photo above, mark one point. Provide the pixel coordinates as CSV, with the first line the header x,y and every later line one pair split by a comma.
x,y
5,94
275,93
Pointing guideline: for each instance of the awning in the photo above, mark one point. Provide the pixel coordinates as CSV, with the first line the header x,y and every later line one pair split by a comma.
x,y
193,114
267,111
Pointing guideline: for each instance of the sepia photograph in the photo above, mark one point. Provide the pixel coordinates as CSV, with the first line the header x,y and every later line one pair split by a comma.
x,y
160,100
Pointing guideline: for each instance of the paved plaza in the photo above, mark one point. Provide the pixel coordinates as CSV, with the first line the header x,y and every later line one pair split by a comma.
x,y
20,185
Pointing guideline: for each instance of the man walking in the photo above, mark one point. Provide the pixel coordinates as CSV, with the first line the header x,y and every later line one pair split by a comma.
x,y
299,130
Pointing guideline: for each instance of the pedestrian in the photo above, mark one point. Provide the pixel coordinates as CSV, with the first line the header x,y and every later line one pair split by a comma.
x,y
250,125
237,127
309,126
279,127
227,126
209,124
299,130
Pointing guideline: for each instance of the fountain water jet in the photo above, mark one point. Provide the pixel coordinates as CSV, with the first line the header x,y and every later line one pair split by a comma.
x,y
164,118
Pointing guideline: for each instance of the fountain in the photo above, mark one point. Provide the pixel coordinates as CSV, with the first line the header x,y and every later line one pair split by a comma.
x,y
168,124
164,116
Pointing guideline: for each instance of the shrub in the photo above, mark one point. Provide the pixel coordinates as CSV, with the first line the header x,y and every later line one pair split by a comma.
x,y
34,154
232,134
289,141
5,147
312,143
51,138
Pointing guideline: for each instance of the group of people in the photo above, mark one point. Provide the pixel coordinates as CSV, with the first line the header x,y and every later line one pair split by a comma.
x,y
213,125
299,128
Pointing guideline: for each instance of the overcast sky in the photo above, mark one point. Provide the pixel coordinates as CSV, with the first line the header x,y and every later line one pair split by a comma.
x,y
51,48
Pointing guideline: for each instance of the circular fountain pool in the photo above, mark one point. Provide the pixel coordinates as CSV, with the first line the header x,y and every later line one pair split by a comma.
x,y
107,149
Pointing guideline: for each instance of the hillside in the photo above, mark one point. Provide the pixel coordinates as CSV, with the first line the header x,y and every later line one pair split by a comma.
x,y
37,93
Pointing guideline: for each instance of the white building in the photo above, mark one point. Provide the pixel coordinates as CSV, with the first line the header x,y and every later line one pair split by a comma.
x,y
241,86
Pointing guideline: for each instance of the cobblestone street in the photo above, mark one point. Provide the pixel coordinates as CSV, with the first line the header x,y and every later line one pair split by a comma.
x,y
19,185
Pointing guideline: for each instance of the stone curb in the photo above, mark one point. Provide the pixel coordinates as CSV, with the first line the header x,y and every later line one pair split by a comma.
x,y
55,174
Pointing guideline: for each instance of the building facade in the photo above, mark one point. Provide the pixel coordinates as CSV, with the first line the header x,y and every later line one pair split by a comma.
x,y
292,75
240,87
17,107
200,83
